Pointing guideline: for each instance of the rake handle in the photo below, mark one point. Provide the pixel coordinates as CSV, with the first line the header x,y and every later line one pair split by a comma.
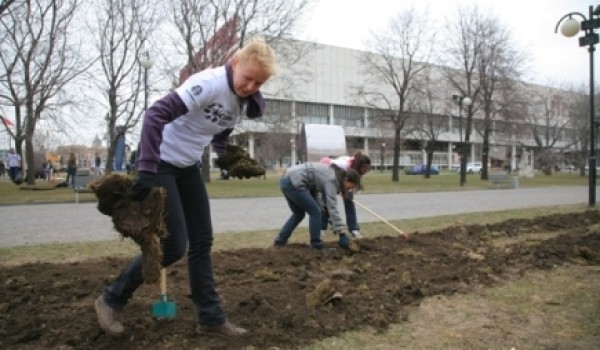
x,y
381,218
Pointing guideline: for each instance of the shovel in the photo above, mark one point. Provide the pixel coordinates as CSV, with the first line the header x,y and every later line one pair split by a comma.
x,y
164,308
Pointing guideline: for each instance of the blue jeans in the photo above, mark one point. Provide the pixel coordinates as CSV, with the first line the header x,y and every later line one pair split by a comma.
x,y
71,173
12,172
187,216
351,219
300,202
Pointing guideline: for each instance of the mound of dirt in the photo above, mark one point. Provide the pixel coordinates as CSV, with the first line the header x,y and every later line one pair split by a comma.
x,y
292,296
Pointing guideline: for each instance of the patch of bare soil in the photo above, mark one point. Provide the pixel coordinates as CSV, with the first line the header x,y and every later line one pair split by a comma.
x,y
292,296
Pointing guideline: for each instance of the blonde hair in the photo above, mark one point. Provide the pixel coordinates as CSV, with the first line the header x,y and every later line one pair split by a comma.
x,y
257,50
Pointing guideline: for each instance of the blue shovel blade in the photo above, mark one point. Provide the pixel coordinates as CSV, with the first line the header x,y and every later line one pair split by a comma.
x,y
164,308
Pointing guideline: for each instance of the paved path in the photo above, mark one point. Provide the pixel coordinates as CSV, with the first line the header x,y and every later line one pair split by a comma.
x,y
43,223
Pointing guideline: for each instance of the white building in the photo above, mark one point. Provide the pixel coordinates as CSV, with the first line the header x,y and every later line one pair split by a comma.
x,y
319,90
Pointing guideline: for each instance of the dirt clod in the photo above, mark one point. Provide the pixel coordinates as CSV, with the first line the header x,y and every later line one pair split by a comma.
x,y
238,163
142,221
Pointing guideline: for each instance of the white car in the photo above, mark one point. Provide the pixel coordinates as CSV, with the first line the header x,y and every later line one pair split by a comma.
x,y
473,167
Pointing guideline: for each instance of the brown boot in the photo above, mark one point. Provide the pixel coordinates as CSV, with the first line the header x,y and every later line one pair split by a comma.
x,y
108,318
226,330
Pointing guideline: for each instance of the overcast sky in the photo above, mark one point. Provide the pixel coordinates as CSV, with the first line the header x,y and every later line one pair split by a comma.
x,y
348,23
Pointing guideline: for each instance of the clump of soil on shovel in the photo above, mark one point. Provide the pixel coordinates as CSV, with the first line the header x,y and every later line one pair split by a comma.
x,y
142,221
238,163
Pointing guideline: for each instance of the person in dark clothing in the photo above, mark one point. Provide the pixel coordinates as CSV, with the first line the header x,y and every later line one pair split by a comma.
x,y
176,129
71,169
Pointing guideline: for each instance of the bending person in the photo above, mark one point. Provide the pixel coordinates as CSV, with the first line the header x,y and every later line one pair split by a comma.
x,y
300,185
360,163
175,131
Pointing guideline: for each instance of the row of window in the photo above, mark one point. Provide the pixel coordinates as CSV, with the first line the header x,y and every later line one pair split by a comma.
x,y
319,113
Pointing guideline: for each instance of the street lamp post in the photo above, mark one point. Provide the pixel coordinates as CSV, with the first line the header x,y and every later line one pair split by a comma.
x,y
570,27
293,159
147,62
461,101
382,155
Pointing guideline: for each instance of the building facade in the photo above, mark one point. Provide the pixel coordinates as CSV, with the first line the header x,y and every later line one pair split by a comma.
x,y
319,90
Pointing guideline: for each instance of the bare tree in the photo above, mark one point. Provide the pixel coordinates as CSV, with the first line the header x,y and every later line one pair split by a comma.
x,y
462,48
428,125
38,61
578,132
5,4
209,31
277,141
402,54
121,31
508,125
497,67
481,61
547,121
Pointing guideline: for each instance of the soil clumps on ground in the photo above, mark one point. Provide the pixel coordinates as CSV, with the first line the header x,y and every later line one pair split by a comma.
x,y
292,296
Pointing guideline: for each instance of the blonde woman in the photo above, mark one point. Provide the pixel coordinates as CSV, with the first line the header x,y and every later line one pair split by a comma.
x,y
176,129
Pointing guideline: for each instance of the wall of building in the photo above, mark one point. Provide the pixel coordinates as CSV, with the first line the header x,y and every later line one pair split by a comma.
x,y
319,89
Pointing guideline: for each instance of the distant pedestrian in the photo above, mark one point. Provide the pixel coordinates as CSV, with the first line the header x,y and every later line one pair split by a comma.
x,y
71,169
14,165
97,165
2,168
47,167
132,168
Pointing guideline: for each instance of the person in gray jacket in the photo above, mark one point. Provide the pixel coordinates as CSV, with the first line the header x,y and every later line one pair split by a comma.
x,y
301,185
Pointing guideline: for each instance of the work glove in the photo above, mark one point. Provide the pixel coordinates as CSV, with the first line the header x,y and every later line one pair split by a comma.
x,y
343,241
143,185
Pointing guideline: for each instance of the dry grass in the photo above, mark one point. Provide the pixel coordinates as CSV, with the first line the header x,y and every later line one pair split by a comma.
x,y
375,182
236,240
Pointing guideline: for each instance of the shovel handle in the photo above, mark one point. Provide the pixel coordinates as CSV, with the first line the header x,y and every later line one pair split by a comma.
x,y
163,281
381,218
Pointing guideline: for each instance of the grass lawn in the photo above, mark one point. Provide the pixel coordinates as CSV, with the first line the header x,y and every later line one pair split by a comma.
x,y
374,182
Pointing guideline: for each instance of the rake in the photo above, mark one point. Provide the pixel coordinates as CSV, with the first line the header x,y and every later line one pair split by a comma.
x,y
402,233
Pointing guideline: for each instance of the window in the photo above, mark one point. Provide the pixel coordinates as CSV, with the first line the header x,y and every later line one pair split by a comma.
x,y
349,116
314,120
278,108
312,113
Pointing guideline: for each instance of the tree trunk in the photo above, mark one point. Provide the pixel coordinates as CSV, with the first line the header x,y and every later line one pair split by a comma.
x,y
29,162
486,154
110,158
429,153
396,160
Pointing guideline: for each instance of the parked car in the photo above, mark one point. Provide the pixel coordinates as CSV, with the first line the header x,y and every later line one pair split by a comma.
x,y
473,167
420,170
587,169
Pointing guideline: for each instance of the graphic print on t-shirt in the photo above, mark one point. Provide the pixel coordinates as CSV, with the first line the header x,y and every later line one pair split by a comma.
x,y
216,113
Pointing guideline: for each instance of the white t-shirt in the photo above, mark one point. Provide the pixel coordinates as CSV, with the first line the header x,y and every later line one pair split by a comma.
x,y
13,160
342,162
212,107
